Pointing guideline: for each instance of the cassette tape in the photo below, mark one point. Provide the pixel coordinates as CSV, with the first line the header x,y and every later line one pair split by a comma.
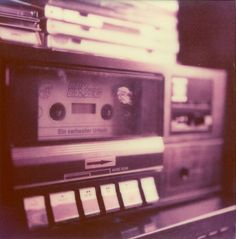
x,y
84,108
93,105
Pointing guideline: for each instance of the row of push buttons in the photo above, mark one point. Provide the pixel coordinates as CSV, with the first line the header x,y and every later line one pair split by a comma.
x,y
64,206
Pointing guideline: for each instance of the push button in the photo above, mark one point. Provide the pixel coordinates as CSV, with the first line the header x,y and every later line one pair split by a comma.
x,y
89,201
63,206
130,193
109,196
35,212
149,189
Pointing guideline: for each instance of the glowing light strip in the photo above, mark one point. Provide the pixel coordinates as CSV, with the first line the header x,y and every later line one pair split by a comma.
x,y
57,27
97,48
37,155
74,16
11,34
71,16
108,50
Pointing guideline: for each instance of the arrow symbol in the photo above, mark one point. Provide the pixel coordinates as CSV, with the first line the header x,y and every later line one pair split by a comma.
x,y
99,162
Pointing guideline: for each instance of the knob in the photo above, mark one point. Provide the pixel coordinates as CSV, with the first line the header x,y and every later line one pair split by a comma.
x,y
57,111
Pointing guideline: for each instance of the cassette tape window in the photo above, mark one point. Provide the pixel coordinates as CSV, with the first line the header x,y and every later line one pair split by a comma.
x,y
81,104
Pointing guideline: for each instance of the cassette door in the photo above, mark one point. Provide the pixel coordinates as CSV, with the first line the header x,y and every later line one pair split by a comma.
x,y
194,103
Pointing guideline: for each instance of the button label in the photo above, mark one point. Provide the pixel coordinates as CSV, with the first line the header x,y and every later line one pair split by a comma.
x,y
64,206
36,213
149,189
109,196
89,201
130,193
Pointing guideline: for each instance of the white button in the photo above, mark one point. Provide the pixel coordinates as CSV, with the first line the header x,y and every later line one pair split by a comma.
x,y
89,201
63,206
110,197
149,189
130,193
36,212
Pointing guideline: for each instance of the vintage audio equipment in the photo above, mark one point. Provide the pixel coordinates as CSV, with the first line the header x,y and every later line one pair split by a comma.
x,y
91,137
194,124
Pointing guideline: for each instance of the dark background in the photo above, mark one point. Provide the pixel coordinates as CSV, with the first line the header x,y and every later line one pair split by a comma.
x,y
207,39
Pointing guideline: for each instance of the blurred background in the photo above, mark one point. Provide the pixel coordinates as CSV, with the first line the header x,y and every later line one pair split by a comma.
x,y
207,39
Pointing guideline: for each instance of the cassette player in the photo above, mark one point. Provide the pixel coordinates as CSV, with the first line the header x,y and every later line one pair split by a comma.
x,y
82,123
87,142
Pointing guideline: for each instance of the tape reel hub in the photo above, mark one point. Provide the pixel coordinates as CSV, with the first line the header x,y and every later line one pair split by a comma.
x,y
107,112
57,111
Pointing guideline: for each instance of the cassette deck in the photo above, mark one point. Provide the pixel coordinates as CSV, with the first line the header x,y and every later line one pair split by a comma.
x,y
195,101
116,130
86,123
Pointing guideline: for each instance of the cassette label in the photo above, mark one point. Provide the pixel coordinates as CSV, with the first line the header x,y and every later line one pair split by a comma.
x,y
74,109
